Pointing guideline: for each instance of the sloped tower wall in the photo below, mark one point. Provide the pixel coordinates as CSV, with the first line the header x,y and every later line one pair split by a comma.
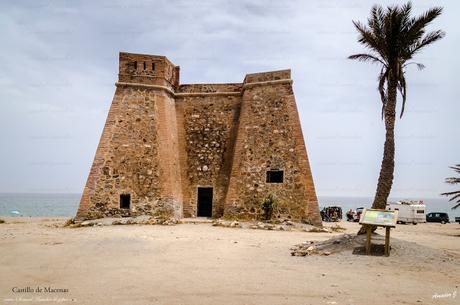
x,y
270,138
138,152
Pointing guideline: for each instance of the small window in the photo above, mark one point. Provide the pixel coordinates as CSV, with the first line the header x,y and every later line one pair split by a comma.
x,y
420,211
145,65
275,176
135,65
125,201
153,66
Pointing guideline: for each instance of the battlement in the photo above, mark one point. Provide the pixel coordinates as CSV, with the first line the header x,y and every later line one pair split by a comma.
x,y
144,69
210,88
268,76
148,70
235,88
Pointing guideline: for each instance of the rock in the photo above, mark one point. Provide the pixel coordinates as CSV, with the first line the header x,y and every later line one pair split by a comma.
x,y
234,224
299,253
318,230
217,223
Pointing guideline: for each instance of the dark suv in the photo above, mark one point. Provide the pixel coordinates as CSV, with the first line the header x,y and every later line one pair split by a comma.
x,y
437,217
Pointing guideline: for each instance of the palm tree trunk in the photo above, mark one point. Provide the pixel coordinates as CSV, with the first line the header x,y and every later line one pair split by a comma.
x,y
388,163
385,181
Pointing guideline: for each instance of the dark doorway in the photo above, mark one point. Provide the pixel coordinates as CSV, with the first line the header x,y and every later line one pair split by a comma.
x,y
204,202
125,201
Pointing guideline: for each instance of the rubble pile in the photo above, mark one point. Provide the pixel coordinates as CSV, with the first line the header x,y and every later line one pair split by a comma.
x,y
327,247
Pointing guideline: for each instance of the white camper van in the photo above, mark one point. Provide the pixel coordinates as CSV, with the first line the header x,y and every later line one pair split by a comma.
x,y
409,211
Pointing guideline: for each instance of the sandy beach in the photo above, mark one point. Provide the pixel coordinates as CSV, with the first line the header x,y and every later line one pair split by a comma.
x,y
202,264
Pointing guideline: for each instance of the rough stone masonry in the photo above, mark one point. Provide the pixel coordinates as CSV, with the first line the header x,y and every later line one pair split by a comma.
x,y
188,150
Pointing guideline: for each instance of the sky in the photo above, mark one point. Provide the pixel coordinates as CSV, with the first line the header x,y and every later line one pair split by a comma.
x,y
59,63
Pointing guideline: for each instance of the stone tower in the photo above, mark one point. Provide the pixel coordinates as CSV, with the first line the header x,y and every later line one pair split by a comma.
x,y
172,150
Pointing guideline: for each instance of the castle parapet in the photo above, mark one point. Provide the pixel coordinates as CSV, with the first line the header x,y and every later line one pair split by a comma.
x,y
211,88
147,70
267,76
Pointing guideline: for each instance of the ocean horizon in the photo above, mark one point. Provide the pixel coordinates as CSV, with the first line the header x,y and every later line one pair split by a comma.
x,y
66,204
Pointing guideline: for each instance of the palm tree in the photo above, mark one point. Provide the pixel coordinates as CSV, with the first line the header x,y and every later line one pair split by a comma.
x,y
392,38
454,180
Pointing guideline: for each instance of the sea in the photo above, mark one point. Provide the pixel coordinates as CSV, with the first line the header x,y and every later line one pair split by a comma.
x,y
49,205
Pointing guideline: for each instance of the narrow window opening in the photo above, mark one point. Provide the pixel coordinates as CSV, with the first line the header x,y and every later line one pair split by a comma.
x,y
135,65
153,66
125,201
275,176
145,65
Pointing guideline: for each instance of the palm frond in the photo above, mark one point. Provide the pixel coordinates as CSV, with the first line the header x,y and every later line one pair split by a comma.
x,y
375,24
453,180
455,195
420,66
451,193
415,27
427,40
405,11
367,57
420,22
456,168
383,78
402,89
368,39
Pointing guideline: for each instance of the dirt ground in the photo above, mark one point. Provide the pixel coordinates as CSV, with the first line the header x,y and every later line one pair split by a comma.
x,y
201,264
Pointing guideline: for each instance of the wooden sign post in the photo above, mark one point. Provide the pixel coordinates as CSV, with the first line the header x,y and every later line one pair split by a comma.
x,y
378,218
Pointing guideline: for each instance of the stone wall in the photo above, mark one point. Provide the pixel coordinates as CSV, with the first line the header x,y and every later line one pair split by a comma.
x,y
208,124
130,160
270,138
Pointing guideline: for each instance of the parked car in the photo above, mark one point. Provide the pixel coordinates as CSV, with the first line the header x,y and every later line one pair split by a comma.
x,y
457,219
331,214
437,217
